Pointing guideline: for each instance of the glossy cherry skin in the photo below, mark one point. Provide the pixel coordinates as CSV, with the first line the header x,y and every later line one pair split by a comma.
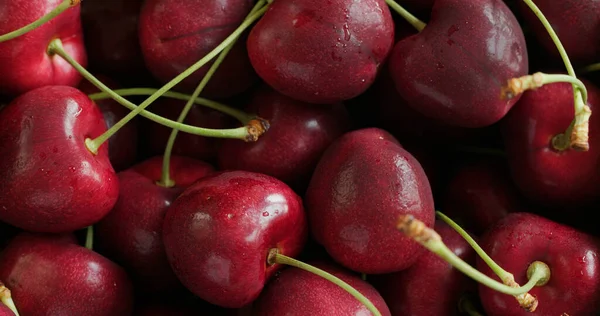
x,y
321,52
176,34
298,135
51,275
480,194
453,70
430,286
521,238
111,37
5,311
296,292
577,24
545,175
122,146
131,233
24,61
219,231
363,182
51,182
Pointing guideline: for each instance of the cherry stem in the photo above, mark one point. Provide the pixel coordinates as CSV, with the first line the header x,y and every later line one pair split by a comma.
x,y
466,306
590,68
62,7
239,115
6,299
89,238
248,133
516,86
166,180
432,241
580,128
275,257
413,20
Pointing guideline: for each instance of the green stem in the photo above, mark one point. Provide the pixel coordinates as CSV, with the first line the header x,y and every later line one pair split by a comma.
x,y
239,115
56,47
516,86
413,20
501,273
6,299
166,180
62,7
277,258
89,238
590,68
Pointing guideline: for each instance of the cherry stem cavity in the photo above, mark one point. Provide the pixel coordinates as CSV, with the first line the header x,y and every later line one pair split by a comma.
x,y
413,20
590,68
251,132
6,299
166,180
62,7
275,257
89,238
431,240
578,134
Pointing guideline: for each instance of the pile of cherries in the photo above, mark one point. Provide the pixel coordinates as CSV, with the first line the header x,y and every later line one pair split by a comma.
x,y
299,157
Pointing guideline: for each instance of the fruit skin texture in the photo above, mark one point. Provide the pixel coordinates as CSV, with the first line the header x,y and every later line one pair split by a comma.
x,y
521,238
362,184
295,292
131,233
453,70
431,286
321,52
176,34
299,134
219,231
546,176
51,275
24,61
5,311
51,182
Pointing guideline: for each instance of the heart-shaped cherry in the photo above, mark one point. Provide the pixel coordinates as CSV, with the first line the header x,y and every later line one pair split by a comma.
x,y
175,34
219,232
363,182
572,256
546,173
454,69
298,135
24,61
131,233
51,275
51,182
321,52
298,292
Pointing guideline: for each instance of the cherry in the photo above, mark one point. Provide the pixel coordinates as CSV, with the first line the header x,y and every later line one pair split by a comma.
x,y
175,34
51,181
480,194
321,52
363,182
577,24
219,231
122,146
545,171
454,69
430,286
521,238
131,233
298,135
51,274
5,311
295,291
24,61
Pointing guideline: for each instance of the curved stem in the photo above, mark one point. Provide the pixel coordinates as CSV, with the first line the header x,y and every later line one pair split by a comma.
x,y
165,179
413,20
501,273
248,133
6,299
89,238
239,115
516,86
579,133
590,68
62,7
429,239
277,258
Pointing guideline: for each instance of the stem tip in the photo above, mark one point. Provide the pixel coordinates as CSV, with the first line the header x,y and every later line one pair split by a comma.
x,y
272,256
416,229
257,127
